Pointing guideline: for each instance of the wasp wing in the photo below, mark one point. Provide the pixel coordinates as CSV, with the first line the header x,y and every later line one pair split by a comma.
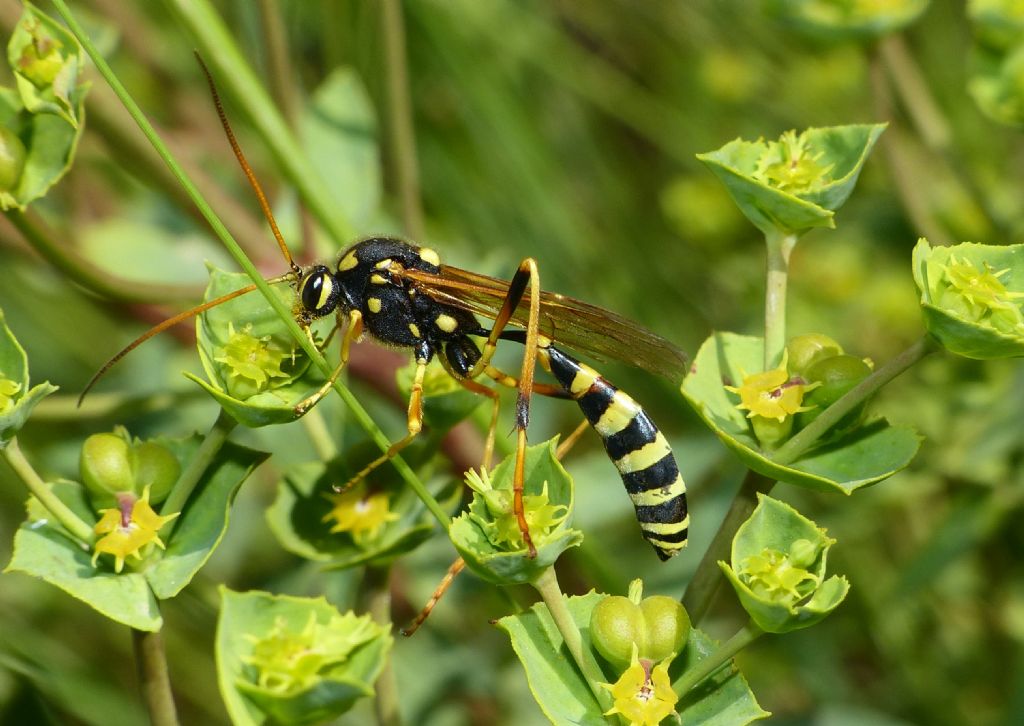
x,y
575,324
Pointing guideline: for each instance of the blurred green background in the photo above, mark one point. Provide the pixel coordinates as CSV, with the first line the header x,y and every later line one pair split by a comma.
x,y
565,131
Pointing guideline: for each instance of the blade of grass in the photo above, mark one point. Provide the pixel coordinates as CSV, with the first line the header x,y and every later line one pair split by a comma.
x,y
285,314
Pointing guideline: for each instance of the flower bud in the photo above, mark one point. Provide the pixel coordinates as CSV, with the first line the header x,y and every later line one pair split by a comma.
x,y
105,466
12,159
154,466
806,350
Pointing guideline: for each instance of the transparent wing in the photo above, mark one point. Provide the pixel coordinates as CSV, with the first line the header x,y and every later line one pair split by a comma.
x,y
577,325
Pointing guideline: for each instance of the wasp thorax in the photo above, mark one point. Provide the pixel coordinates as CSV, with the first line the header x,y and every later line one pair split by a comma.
x,y
318,292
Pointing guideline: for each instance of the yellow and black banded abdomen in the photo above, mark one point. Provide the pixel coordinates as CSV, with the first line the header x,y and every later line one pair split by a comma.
x,y
636,446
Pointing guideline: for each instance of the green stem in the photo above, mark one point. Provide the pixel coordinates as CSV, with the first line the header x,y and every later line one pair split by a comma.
x,y
43,241
797,445
400,125
151,664
700,592
551,593
40,490
725,652
283,311
319,435
378,580
780,245
231,68
917,99
189,478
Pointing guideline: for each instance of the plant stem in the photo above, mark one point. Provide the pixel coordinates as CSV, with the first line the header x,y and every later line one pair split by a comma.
x,y
779,244
41,490
400,125
797,445
151,664
319,436
551,593
230,67
378,580
190,477
43,241
700,592
278,305
917,99
725,652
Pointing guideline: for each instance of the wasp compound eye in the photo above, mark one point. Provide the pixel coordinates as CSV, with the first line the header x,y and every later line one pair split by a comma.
x,y
318,291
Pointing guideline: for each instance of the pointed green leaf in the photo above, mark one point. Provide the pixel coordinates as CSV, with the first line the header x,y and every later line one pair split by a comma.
x,y
201,526
865,455
17,400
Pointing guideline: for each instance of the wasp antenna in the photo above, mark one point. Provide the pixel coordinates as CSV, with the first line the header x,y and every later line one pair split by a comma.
x,y
161,327
245,165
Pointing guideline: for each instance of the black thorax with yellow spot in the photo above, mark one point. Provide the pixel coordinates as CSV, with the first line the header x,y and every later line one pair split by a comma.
x,y
368,278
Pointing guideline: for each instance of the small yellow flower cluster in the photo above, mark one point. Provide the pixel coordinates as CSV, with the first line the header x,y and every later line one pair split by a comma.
x,y
772,395
129,528
980,296
775,575
8,389
250,361
542,517
790,166
359,513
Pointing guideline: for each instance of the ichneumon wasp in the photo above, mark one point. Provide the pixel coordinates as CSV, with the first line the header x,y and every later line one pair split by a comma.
x,y
403,297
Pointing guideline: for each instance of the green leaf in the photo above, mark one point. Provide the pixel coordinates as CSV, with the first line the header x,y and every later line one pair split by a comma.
x,y
44,550
17,400
297,515
249,315
42,120
865,455
834,156
563,695
47,62
201,526
339,131
979,319
837,19
800,546
473,533
330,691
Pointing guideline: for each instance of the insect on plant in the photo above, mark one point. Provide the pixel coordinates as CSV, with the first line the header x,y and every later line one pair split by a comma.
x,y
403,297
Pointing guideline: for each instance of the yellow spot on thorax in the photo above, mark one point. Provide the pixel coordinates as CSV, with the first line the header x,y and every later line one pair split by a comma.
x,y
373,304
446,323
430,256
348,262
414,329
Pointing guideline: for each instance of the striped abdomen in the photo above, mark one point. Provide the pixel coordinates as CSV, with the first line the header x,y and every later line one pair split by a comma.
x,y
636,446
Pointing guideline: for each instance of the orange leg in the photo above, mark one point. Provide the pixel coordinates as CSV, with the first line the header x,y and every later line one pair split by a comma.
x,y
449,577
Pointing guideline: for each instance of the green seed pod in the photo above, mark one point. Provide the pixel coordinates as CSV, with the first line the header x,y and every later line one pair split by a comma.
x,y
806,350
105,467
667,627
154,466
837,375
12,159
615,624
803,553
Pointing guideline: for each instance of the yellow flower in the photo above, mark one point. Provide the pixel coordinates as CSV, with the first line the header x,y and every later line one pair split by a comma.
x,y
643,696
772,394
789,165
8,389
250,361
359,513
775,576
542,517
128,529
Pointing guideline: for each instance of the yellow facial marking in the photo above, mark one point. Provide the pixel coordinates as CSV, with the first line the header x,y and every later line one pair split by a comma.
x,y
383,264
378,279
325,293
373,304
348,261
429,256
414,329
644,456
446,323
